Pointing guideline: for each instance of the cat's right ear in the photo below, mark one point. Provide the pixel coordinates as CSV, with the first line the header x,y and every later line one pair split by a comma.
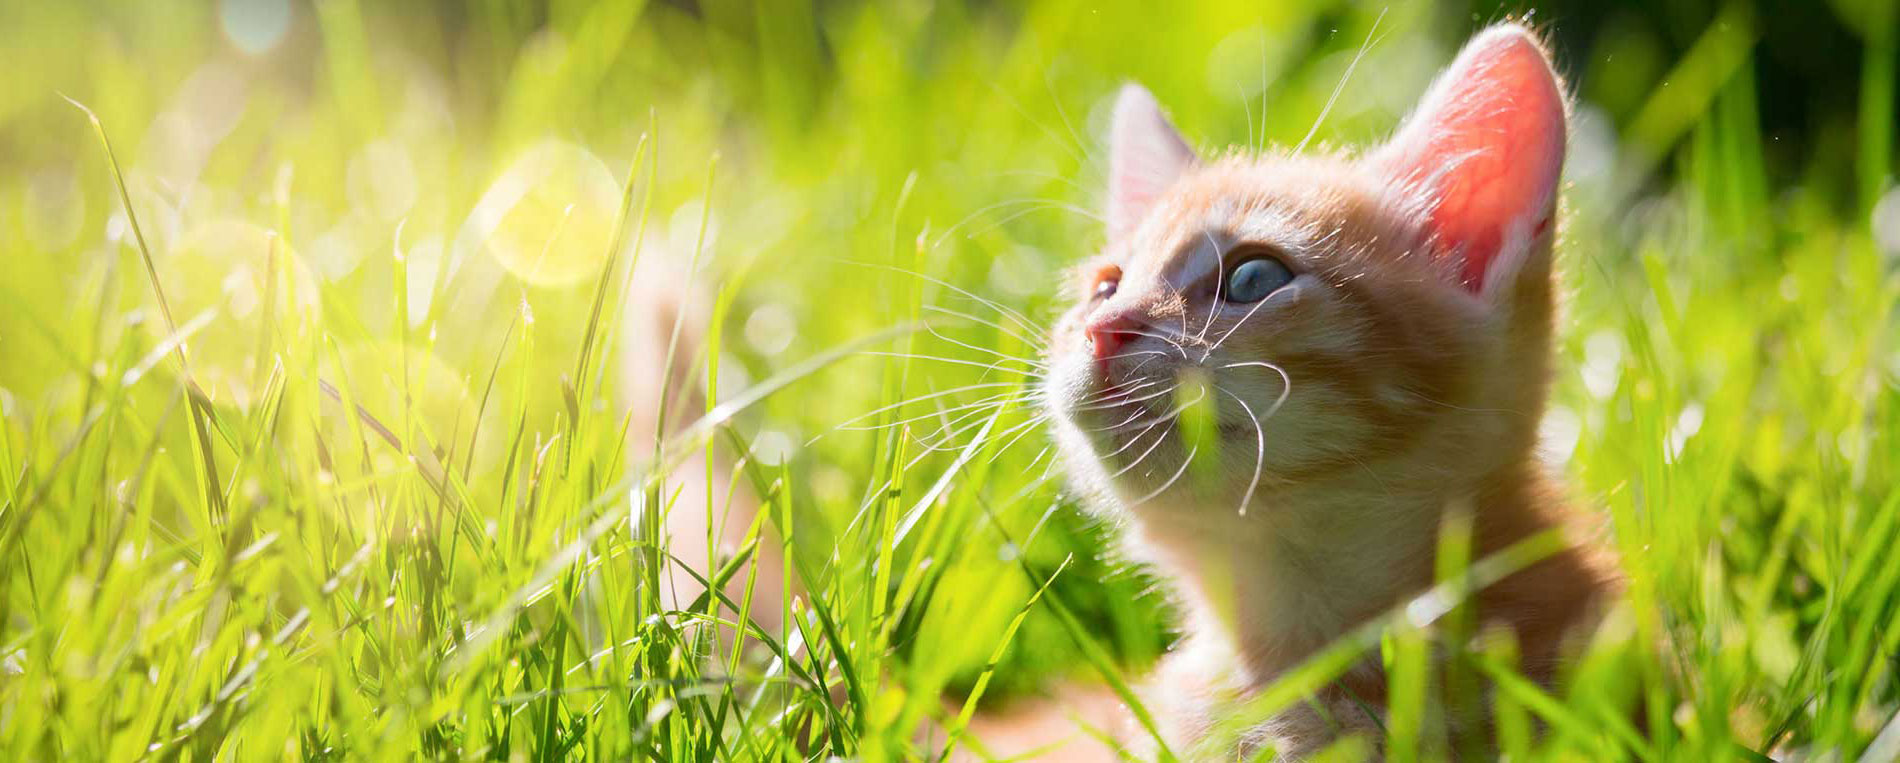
x,y
1145,156
1486,148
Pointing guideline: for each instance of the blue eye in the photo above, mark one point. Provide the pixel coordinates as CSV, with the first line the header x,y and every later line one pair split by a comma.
x,y
1253,280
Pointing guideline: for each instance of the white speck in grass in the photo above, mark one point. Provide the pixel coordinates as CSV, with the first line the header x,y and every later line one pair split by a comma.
x,y
1886,223
1687,424
254,26
1602,363
1789,287
115,228
1852,447
770,328
772,447
1685,715
1008,552
1558,434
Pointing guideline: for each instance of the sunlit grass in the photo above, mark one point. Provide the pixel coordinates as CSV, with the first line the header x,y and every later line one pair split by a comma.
x,y
366,481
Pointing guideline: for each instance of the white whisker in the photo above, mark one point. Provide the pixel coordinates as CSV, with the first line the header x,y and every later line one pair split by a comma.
x,y
1171,480
1006,397
920,398
1019,318
955,361
1033,343
1341,87
1220,272
1025,428
1260,452
1003,355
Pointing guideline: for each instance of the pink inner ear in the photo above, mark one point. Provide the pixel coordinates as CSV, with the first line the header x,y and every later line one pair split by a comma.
x,y
1146,156
1487,144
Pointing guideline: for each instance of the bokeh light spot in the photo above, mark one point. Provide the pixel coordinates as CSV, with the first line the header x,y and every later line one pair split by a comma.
x,y
255,286
771,328
549,218
254,26
382,180
1886,223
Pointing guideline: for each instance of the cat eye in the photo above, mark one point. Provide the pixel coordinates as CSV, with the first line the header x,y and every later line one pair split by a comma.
x,y
1252,280
1107,279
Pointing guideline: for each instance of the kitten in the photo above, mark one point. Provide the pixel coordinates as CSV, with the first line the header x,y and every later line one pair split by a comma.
x,y
1374,336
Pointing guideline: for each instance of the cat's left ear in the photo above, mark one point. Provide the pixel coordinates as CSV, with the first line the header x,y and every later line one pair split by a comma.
x,y
1145,156
1485,150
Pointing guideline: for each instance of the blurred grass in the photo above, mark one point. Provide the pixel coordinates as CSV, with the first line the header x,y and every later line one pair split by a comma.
x,y
429,214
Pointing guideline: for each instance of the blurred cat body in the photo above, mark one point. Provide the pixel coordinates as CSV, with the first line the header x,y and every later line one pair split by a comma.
x,y
1372,336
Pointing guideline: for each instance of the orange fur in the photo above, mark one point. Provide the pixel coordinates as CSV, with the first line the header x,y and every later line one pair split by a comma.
x,y
1399,376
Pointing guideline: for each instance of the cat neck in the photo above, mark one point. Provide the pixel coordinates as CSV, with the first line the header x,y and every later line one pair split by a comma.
x,y
1313,561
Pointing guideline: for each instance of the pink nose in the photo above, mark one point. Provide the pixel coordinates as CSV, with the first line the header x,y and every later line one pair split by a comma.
x,y
1108,334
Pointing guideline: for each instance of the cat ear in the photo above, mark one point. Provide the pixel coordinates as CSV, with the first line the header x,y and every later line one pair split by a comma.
x,y
1484,150
1145,157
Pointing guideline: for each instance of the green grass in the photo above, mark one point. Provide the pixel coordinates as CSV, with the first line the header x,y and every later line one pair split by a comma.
x,y
360,485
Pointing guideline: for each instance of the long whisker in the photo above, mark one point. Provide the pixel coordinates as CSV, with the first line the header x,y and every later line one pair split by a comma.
x,y
1209,349
1041,175
1132,354
1165,419
1035,343
954,426
1124,422
956,361
1108,399
1286,388
1341,87
1263,92
1046,205
1048,472
1144,363
1105,403
1171,480
1171,339
997,353
949,444
1151,448
1019,318
1025,428
1080,150
921,398
1006,397
1142,410
1260,451
1056,100
1220,272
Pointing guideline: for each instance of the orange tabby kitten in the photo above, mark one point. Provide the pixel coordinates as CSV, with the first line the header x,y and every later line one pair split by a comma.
x,y
1373,332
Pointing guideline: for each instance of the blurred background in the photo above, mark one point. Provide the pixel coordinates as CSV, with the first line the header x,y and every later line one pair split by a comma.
x,y
478,128
414,200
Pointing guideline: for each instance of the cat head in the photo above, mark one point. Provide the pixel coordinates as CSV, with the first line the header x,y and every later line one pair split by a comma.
x,y
1383,315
